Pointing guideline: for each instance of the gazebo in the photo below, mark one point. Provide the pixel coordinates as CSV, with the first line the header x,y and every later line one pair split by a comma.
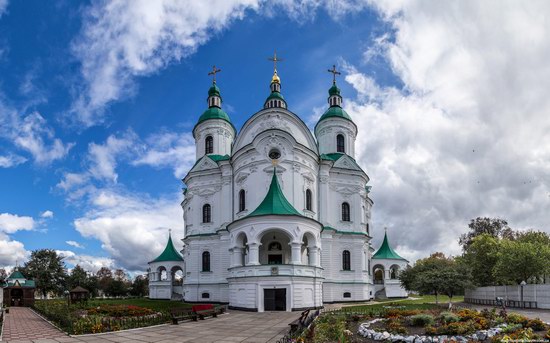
x,y
78,295
18,291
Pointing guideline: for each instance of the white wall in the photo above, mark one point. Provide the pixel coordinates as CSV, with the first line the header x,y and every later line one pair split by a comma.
x,y
538,293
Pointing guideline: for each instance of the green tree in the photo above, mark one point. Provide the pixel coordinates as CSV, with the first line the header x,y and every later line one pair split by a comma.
x,y
104,278
117,288
522,261
532,236
78,277
48,271
481,256
454,278
140,286
3,275
494,227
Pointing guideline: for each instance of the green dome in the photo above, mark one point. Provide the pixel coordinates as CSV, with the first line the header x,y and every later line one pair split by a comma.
x,y
275,95
337,112
214,113
334,90
214,90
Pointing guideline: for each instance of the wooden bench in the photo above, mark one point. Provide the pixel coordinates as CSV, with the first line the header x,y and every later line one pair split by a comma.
x,y
205,310
299,323
181,314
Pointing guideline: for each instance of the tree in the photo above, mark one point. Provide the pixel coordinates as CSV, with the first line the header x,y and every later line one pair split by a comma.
x,y
522,261
105,277
3,275
48,271
482,256
117,288
120,275
436,275
532,236
494,227
78,277
140,286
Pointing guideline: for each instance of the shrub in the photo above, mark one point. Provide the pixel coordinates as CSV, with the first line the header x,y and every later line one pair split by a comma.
x,y
467,314
422,320
396,313
536,324
481,323
430,330
511,328
458,328
395,327
449,317
329,328
515,318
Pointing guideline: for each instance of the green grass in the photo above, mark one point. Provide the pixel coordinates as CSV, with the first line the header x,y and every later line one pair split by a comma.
x,y
423,302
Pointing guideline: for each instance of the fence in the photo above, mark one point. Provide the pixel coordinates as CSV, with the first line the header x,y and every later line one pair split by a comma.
x,y
527,296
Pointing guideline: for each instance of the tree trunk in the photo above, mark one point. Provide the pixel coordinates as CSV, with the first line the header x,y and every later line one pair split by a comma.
x,y
450,302
436,300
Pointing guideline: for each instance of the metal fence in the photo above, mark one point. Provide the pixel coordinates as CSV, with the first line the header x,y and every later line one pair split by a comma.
x,y
507,303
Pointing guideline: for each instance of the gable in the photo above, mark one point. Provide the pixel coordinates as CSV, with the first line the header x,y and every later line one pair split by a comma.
x,y
346,162
205,163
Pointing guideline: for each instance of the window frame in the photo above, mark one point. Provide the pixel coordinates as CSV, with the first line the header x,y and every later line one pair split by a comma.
x,y
208,145
346,260
242,200
309,200
346,212
340,143
206,213
206,265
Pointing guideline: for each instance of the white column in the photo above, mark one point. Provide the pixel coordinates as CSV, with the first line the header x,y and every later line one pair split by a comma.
x,y
237,257
296,252
313,256
253,254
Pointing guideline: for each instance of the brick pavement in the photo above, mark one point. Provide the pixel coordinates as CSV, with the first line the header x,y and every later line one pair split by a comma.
x,y
23,324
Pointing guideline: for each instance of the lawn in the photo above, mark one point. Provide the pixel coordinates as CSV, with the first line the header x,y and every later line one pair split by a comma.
x,y
156,305
419,302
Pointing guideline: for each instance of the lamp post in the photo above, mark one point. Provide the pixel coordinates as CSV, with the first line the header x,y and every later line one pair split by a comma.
x,y
523,283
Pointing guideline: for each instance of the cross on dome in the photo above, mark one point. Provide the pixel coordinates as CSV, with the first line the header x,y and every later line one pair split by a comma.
x,y
334,73
213,73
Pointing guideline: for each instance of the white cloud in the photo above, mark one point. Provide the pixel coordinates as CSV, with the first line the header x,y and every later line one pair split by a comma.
x,y
89,263
10,223
123,39
466,136
103,157
75,244
3,6
11,252
11,160
46,214
169,149
134,231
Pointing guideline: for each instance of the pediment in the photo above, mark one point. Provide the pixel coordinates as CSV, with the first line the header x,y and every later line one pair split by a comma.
x,y
205,163
346,162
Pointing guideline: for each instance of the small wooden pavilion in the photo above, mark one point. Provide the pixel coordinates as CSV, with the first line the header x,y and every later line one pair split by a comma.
x,y
18,291
78,295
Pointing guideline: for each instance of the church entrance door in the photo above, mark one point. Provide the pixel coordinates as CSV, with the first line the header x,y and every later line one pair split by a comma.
x,y
275,299
16,296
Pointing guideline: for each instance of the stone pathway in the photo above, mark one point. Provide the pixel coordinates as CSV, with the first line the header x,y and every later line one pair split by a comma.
x,y
23,325
236,326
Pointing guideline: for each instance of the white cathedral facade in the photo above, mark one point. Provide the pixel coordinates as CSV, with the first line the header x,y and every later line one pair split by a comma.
x,y
276,217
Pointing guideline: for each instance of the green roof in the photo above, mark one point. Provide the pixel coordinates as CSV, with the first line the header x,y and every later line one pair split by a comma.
x,y
335,112
275,201
332,156
334,90
386,252
275,95
16,275
214,90
214,113
217,158
169,254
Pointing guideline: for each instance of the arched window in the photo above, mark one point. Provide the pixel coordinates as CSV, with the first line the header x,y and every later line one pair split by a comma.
x,y
345,212
206,213
346,260
340,144
309,206
347,295
242,200
368,228
206,261
205,295
393,272
209,145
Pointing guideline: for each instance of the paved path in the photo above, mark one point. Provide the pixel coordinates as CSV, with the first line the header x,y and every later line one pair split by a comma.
x,y
544,315
236,326
23,324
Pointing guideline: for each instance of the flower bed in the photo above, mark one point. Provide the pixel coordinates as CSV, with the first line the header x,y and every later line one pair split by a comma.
x,y
83,319
425,325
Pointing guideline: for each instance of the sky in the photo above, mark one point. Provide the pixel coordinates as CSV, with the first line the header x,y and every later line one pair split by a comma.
x,y
98,100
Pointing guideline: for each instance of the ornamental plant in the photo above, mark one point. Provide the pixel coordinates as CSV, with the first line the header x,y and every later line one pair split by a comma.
x,y
449,317
515,318
395,326
536,324
422,320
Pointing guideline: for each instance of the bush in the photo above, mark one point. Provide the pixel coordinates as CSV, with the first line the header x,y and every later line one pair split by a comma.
x,y
467,314
536,325
395,327
422,320
458,328
396,313
329,328
515,318
449,317
511,328
430,331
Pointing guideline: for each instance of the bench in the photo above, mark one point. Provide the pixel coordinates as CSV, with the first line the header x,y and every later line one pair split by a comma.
x,y
300,322
181,314
205,310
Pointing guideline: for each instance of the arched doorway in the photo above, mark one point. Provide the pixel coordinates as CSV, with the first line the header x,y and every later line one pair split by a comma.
x,y
275,248
16,296
378,274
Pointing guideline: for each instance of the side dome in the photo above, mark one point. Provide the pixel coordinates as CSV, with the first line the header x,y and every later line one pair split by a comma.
x,y
214,113
335,111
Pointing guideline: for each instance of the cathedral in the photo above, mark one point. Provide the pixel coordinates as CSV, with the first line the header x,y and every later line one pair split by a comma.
x,y
277,218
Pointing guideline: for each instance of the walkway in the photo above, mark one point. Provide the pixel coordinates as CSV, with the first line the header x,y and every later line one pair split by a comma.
x,y
24,325
236,326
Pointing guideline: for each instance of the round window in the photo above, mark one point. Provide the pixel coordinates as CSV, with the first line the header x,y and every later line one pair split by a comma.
x,y
274,154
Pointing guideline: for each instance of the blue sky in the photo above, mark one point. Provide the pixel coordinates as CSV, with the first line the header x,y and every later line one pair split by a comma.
x,y
97,100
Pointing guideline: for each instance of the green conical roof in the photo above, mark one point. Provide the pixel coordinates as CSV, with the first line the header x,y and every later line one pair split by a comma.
x,y
275,95
169,254
335,111
214,90
386,252
275,201
334,90
214,113
16,275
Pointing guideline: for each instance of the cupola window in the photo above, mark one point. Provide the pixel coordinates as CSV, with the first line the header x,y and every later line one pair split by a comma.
x,y
206,213
345,212
340,144
309,206
242,200
209,145
274,154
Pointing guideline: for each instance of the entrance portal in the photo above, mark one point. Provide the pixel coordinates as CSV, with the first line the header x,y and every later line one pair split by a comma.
x,y
275,299
16,296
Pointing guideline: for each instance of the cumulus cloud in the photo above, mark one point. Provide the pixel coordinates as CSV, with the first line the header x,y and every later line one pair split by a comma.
x,y
3,6
10,223
467,134
103,157
11,160
89,263
11,252
75,244
133,228
46,214
169,149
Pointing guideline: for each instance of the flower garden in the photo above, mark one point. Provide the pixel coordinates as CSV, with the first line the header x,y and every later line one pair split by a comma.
x,y
99,316
414,323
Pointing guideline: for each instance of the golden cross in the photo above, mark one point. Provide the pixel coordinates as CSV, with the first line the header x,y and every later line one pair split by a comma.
x,y
334,73
275,60
213,73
